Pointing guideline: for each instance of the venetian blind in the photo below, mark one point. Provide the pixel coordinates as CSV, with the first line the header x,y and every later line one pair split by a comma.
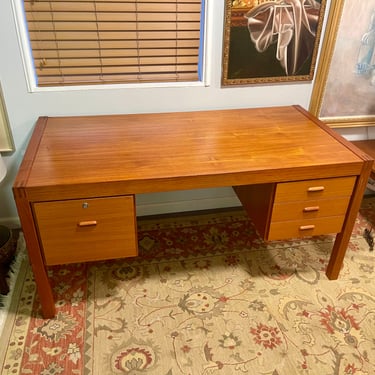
x,y
114,41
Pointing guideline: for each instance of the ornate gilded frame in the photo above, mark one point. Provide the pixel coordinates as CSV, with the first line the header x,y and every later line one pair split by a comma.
x,y
6,140
335,98
263,66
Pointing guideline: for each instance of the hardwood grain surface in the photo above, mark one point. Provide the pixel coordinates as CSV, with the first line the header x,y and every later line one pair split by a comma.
x,y
188,149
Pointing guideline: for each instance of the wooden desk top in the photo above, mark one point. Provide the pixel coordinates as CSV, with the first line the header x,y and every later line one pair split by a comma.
x,y
140,153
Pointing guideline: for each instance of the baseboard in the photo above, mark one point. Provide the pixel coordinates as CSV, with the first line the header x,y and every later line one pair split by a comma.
x,y
171,202
185,201
185,206
10,222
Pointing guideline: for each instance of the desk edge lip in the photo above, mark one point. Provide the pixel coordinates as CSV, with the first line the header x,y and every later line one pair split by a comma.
x,y
28,159
350,146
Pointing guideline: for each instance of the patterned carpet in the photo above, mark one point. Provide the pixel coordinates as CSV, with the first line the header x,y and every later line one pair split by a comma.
x,y
206,296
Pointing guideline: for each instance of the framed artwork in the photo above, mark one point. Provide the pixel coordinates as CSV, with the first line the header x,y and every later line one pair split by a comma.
x,y
271,41
344,90
6,140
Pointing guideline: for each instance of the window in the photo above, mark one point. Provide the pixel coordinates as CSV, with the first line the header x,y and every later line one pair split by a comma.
x,y
81,42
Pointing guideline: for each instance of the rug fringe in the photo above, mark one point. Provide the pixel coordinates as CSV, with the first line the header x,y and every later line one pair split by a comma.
x,y
12,278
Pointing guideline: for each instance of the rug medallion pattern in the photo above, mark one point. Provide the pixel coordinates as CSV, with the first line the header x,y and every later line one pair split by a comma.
x,y
206,296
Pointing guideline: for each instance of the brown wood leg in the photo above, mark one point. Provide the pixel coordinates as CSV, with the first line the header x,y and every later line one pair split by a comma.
x,y
35,255
337,255
343,238
43,286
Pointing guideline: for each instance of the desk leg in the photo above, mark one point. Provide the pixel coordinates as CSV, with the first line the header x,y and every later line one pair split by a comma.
x,y
35,254
342,239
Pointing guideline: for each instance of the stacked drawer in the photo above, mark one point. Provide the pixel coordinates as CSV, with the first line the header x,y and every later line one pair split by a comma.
x,y
309,208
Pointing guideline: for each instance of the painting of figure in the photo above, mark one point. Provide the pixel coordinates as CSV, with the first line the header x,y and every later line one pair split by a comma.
x,y
366,56
347,66
271,41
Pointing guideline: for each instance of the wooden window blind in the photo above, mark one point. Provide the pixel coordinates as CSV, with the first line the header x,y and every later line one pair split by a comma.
x,y
77,42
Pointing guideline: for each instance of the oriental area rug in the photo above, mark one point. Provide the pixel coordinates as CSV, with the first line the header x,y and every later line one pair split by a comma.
x,y
205,296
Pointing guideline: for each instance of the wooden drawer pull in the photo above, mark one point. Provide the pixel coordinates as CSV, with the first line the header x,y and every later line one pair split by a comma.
x,y
315,188
90,223
311,209
307,227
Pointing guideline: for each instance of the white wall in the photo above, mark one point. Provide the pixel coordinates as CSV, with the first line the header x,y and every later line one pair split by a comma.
x,y
24,108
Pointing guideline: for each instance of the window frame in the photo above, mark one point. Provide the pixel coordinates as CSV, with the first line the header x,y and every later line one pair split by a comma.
x,y
30,75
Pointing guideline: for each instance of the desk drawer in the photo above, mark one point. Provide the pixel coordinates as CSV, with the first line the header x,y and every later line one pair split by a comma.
x,y
305,228
314,189
87,230
310,209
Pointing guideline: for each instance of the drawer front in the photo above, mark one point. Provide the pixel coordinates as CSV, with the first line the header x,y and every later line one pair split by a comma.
x,y
314,189
310,209
87,230
305,228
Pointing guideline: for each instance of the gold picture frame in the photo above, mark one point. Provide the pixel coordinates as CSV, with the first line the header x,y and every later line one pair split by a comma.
x,y
271,41
344,88
6,139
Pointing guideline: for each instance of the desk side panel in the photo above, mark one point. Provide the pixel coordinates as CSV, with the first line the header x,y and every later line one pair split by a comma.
x,y
257,200
367,146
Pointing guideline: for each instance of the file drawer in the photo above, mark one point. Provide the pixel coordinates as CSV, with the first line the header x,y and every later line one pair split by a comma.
x,y
85,230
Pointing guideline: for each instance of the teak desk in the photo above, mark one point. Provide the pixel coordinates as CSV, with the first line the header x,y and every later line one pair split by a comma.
x,y
75,189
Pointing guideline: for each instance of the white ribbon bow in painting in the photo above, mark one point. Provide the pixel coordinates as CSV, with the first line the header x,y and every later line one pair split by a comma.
x,y
291,24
